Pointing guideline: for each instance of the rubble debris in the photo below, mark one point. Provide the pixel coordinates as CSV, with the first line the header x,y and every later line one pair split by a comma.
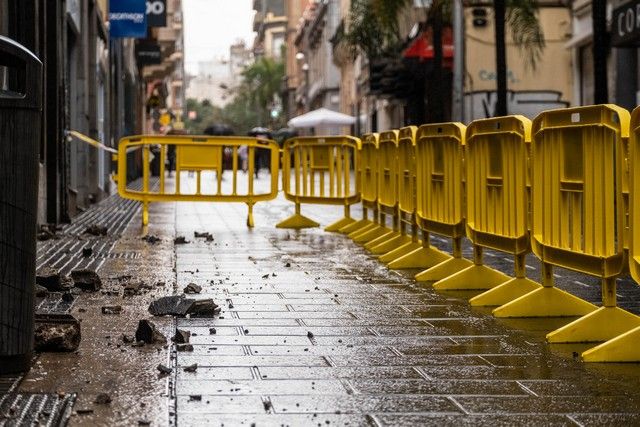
x,y
111,309
180,306
40,291
182,337
87,252
309,334
212,331
180,240
56,333
288,265
191,368
192,288
160,284
96,230
151,239
127,339
184,347
203,235
67,297
102,399
51,279
195,398
87,280
144,422
164,370
148,333
131,288
84,411
46,234
267,405
266,276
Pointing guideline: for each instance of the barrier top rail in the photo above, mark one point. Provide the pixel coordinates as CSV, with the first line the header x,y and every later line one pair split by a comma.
x,y
407,169
496,160
330,158
388,169
440,174
577,171
369,167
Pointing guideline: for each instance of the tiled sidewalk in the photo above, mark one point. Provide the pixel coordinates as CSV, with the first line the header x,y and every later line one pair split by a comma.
x,y
314,331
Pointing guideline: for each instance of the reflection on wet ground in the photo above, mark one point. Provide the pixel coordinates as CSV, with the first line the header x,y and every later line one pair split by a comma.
x,y
313,330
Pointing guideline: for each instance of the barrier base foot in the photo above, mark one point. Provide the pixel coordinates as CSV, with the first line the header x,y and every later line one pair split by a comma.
x,y
545,302
360,231
600,325
504,293
339,224
358,225
371,234
623,348
381,239
391,244
400,251
297,221
444,269
419,258
476,277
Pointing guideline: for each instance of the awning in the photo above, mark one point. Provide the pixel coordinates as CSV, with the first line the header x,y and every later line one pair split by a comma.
x,y
422,46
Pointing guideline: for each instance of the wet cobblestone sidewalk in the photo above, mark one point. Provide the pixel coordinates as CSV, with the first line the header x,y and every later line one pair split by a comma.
x,y
314,331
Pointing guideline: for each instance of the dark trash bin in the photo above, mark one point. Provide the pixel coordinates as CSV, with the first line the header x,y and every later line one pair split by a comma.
x,y
20,122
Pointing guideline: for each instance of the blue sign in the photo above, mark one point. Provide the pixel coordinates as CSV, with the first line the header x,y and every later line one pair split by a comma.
x,y
128,18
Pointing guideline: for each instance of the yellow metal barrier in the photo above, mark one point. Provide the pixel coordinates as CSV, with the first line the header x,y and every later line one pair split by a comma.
x,y
368,171
440,193
578,218
323,173
389,184
624,347
497,164
197,154
386,186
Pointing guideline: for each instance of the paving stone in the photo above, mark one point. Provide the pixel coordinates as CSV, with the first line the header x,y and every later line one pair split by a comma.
x,y
405,420
258,387
307,372
362,404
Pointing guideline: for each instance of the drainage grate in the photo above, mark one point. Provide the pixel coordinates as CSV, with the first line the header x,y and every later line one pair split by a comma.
x,y
54,303
22,409
7,383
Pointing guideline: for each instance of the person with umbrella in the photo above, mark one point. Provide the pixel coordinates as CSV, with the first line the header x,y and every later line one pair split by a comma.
x,y
261,155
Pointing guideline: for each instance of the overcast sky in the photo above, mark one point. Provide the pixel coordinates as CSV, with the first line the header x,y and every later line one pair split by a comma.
x,y
211,26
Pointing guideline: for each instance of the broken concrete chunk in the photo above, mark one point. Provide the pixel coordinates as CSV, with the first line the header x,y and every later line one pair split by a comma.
x,y
212,331
51,279
182,337
266,276
102,399
191,368
96,230
148,333
184,347
180,240
87,252
164,370
111,309
87,280
192,288
151,239
203,235
56,333
131,288
40,291
180,306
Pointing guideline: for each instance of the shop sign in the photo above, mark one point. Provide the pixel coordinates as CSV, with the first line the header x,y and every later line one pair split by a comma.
x,y
148,54
127,18
156,13
625,27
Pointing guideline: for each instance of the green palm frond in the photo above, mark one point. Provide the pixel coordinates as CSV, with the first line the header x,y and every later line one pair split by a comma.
x,y
526,32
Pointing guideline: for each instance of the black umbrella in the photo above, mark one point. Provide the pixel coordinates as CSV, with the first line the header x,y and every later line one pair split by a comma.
x,y
260,131
218,129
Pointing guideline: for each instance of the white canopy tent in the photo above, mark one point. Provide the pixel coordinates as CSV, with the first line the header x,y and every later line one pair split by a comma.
x,y
321,117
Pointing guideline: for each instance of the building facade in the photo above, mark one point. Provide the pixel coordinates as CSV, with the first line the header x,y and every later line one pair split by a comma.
x,y
270,26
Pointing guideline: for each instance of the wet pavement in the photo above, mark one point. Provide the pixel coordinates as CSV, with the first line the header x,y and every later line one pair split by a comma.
x,y
314,331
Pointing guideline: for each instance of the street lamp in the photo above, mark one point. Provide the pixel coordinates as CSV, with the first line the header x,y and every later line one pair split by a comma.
x,y
305,69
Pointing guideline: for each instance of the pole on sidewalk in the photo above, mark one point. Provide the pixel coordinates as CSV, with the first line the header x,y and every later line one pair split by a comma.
x,y
457,113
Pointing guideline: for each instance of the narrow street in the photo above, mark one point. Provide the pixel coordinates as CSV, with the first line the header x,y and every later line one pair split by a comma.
x,y
312,330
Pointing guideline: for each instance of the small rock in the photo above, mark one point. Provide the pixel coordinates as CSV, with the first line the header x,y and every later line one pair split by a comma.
x,y
102,399
164,370
40,291
148,333
132,288
267,405
87,280
87,252
203,307
191,368
195,398
192,288
111,309
67,297
151,239
96,230
184,347
51,279
144,423
45,234
204,235
182,337
57,333
212,331
127,339
180,240
180,306
309,334
288,265
266,276
84,411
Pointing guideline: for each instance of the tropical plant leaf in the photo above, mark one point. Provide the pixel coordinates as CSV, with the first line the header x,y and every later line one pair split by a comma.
x,y
526,32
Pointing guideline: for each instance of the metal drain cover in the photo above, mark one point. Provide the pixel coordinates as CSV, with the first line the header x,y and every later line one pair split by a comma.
x,y
20,409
